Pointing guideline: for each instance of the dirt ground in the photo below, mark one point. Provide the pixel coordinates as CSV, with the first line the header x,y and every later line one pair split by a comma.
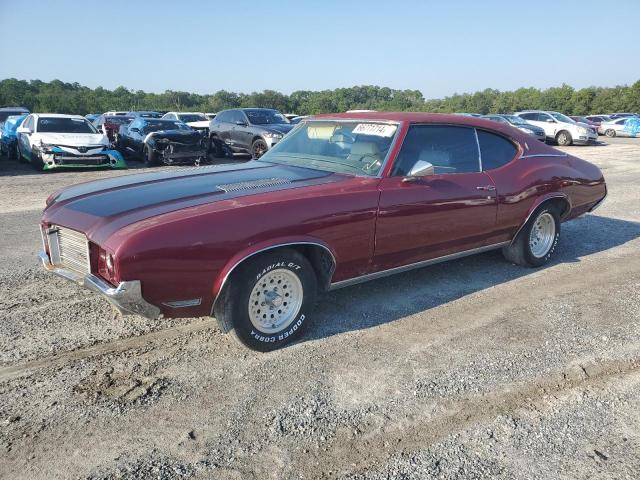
x,y
470,369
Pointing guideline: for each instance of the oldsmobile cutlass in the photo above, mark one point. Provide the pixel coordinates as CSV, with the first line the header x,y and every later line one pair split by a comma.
x,y
341,199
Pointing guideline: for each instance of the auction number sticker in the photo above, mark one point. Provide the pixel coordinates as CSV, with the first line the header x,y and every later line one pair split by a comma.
x,y
377,129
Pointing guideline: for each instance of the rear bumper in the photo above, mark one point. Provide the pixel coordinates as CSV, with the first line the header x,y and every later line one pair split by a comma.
x,y
126,297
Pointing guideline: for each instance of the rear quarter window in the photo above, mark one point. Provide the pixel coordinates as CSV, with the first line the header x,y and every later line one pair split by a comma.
x,y
495,150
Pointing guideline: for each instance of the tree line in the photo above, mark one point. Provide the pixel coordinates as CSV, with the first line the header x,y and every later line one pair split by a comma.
x,y
61,97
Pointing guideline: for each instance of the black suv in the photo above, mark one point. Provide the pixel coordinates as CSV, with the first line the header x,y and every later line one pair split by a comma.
x,y
247,130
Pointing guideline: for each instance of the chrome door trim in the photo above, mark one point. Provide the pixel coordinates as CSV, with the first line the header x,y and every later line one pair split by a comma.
x,y
412,266
545,155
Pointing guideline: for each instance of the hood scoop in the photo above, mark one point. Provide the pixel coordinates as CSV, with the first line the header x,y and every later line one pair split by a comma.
x,y
253,184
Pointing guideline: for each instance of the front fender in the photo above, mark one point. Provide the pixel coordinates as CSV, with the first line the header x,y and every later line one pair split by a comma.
x,y
223,275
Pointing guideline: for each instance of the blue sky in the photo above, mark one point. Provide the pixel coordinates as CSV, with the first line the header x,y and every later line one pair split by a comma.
x,y
438,47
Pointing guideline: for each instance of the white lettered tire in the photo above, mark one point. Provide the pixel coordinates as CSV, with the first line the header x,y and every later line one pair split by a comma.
x,y
268,299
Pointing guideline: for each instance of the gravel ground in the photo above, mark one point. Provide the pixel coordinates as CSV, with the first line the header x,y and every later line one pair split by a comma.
x,y
471,369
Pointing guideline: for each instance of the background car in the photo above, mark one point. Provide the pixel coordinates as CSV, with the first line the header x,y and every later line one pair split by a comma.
x,y
613,116
598,119
6,112
144,114
110,125
247,130
91,116
8,136
196,120
298,119
560,128
50,141
156,140
618,128
115,112
585,121
519,123
210,115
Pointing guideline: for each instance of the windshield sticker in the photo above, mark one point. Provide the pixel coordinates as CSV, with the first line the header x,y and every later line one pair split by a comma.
x,y
377,129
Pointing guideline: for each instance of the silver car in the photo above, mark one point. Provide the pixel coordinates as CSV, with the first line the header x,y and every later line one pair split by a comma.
x,y
615,128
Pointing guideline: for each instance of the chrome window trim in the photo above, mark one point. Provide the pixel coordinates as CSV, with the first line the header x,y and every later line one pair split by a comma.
x,y
475,131
228,274
405,268
545,155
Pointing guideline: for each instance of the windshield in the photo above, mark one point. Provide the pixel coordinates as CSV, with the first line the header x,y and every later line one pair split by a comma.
x,y
515,120
65,125
118,120
265,117
561,118
7,113
193,117
157,126
352,147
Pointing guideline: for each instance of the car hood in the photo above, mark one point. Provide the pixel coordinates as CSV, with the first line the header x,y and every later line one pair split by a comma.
x,y
102,207
185,136
199,124
72,139
282,128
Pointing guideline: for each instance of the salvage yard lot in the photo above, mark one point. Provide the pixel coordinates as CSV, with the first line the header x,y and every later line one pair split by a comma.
x,y
470,369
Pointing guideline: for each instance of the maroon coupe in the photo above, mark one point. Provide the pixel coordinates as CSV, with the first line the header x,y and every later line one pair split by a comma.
x,y
341,199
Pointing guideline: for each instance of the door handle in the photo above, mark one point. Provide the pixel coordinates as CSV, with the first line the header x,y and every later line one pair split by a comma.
x,y
489,188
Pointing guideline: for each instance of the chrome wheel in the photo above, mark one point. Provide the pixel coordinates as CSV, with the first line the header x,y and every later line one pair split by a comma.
x,y
542,235
275,301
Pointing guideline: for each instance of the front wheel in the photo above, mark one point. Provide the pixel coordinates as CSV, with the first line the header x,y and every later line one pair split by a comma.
x,y
564,139
258,148
537,241
610,132
268,300
215,147
150,157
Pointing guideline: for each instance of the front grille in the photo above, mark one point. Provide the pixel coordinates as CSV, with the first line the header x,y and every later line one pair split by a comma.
x,y
81,160
68,249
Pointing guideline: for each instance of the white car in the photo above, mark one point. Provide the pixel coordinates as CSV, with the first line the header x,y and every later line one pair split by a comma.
x,y
615,128
50,140
115,113
560,128
196,120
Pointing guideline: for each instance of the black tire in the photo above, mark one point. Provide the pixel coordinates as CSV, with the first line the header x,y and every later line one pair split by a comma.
x,y
36,160
258,148
150,157
520,251
563,138
232,310
21,158
610,132
216,149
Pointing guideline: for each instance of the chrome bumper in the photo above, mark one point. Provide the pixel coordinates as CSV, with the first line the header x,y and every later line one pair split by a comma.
x,y
126,297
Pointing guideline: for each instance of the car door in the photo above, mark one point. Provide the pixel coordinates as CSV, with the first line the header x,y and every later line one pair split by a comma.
x,y
241,132
453,210
224,126
25,139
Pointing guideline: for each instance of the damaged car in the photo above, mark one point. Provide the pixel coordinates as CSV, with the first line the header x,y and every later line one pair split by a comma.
x,y
110,125
8,136
159,141
50,140
196,120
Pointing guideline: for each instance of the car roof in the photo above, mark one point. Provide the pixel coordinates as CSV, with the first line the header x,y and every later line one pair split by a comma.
x,y
14,109
57,115
187,113
411,117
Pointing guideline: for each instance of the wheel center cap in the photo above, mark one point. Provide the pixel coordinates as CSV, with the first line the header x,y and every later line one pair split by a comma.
x,y
273,299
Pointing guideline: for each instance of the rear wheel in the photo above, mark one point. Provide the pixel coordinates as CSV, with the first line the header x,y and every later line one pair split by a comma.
x,y
258,148
537,241
268,299
610,132
564,138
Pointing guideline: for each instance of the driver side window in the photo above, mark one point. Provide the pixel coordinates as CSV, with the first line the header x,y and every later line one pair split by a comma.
x,y
449,149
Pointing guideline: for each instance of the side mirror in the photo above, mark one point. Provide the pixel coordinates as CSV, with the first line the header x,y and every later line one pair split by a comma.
x,y
420,169
241,123
25,130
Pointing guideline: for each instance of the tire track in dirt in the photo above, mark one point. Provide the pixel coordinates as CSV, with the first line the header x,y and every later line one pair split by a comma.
x,y
115,346
418,432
